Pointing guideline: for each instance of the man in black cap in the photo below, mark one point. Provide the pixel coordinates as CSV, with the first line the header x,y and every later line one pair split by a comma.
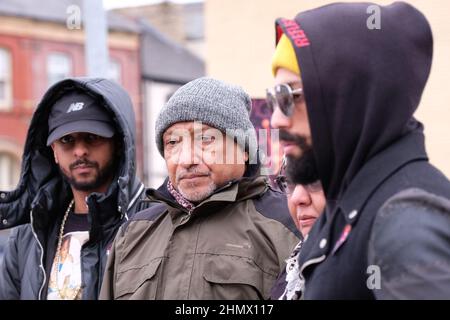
x,y
81,136
77,186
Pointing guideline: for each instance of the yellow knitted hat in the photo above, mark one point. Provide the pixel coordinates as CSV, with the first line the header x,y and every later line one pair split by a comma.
x,y
284,56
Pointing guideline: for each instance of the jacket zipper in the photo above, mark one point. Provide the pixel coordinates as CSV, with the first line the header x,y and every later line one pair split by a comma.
x,y
135,197
82,284
185,218
41,261
306,264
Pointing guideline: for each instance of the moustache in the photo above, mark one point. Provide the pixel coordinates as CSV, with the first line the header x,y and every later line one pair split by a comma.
x,y
191,171
298,140
83,162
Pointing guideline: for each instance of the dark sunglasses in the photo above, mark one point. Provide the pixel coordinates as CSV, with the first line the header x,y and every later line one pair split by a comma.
x,y
286,186
282,96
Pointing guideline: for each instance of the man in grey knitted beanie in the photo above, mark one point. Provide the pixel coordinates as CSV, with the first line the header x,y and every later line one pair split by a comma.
x,y
223,110
210,231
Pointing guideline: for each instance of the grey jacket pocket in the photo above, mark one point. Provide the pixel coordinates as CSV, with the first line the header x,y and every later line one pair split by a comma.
x,y
235,277
138,283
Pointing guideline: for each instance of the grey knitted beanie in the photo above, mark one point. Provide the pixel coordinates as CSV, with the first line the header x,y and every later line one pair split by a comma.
x,y
218,104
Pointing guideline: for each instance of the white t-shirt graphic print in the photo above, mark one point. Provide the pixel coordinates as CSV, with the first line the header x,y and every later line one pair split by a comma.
x,y
65,278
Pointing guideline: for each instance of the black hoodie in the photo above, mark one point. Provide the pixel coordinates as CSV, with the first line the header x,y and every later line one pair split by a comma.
x,y
362,87
40,199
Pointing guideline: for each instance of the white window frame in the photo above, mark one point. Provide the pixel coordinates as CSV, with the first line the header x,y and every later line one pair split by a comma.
x,y
6,77
59,67
9,171
115,70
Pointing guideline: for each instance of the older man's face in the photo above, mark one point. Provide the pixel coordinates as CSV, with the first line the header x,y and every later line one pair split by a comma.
x,y
200,159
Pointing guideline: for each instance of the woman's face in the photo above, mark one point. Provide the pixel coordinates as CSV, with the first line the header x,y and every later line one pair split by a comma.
x,y
306,203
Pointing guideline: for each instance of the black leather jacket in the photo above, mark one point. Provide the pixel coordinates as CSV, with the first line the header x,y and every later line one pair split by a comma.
x,y
388,237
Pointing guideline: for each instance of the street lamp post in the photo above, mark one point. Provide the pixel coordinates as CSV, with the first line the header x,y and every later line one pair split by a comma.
x,y
96,43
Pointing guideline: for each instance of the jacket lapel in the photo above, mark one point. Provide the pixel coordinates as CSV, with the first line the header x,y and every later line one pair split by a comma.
x,y
331,231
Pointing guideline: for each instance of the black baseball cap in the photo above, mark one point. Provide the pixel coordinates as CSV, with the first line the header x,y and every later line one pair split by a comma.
x,y
78,112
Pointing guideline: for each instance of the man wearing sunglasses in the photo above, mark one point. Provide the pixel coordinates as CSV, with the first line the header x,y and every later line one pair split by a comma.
x,y
344,101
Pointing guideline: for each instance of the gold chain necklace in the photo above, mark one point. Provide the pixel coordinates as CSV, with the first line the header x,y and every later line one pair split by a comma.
x,y
58,257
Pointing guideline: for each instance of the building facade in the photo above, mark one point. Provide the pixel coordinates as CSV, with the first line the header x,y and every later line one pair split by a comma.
x,y
181,23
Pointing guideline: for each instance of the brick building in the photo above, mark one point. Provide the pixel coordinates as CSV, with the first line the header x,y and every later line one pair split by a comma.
x,y
182,23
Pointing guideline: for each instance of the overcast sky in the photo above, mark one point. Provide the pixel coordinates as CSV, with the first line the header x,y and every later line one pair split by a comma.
x,y
109,4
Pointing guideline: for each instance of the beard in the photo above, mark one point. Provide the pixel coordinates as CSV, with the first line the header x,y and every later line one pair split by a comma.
x,y
101,178
191,191
195,195
302,169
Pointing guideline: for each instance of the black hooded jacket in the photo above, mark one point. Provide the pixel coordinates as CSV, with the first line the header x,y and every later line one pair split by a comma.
x,y
35,208
362,86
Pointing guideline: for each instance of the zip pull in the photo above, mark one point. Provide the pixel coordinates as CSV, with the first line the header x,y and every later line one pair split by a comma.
x,y
41,258
185,218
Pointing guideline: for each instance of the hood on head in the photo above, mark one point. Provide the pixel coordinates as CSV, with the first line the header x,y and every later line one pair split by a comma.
x,y
361,85
40,173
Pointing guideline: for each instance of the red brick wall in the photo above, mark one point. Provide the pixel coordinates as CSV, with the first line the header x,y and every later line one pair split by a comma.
x,y
130,62
14,123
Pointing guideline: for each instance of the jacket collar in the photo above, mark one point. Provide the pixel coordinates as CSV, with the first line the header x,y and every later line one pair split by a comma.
x,y
235,190
407,149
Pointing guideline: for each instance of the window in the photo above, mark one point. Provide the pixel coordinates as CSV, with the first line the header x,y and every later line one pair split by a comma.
x,y
115,71
59,67
9,171
5,80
